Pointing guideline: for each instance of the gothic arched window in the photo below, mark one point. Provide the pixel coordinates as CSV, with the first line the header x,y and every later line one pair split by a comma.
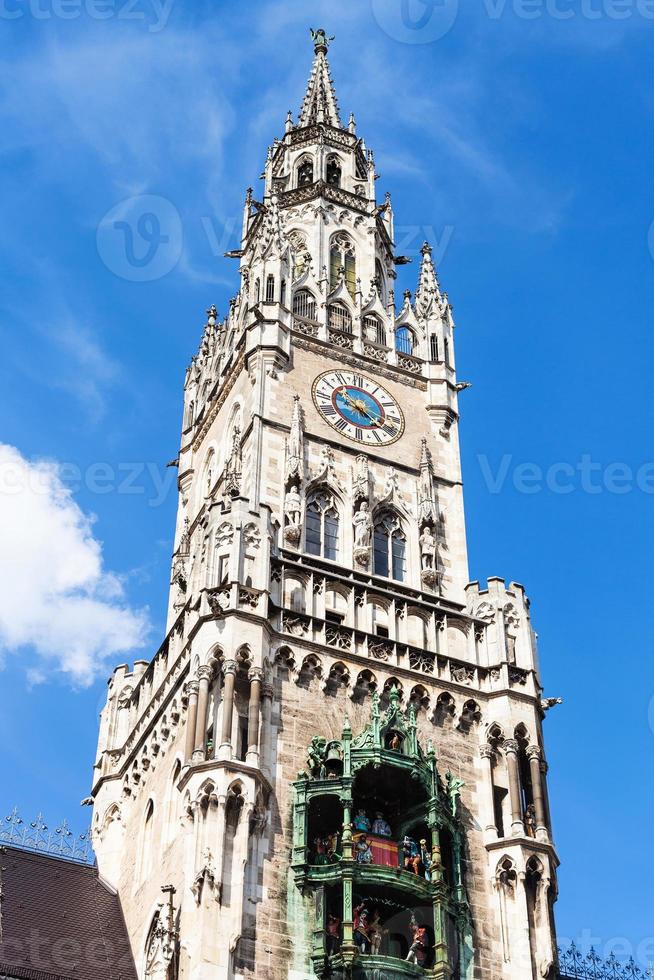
x,y
374,329
339,317
334,171
305,172
304,304
390,548
342,256
323,525
257,291
405,340
270,289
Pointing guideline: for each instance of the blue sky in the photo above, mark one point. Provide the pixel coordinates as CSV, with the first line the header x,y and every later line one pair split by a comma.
x,y
517,137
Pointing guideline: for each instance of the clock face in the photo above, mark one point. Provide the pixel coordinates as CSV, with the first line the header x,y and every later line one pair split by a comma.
x,y
358,408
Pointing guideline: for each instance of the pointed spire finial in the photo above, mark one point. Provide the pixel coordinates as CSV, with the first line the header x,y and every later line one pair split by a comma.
x,y
320,103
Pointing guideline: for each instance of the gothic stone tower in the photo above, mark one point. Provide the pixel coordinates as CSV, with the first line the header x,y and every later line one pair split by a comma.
x,y
336,756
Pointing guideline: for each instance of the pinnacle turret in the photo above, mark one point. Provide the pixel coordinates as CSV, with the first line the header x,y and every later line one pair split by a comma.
x,y
428,289
320,104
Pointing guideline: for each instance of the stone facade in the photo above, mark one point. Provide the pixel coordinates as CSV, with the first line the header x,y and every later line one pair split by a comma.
x,y
320,564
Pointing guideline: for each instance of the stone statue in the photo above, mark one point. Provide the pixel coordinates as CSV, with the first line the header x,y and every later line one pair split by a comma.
x,y
293,506
295,448
530,820
362,526
427,549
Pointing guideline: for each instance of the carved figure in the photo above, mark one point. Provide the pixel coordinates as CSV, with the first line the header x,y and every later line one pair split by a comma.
x,y
530,820
380,826
453,790
376,933
363,851
293,506
361,924
320,38
427,548
395,742
411,854
316,756
419,945
361,821
425,859
320,857
362,526
333,934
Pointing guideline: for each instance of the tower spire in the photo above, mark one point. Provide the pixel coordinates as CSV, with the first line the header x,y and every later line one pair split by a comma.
x,y
320,103
428,290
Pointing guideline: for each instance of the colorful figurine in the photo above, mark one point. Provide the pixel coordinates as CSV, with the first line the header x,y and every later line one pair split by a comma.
x,y
411,854
419,944
333,934
425,859
363,851
361,936
380,826
361,822
321,856
376,933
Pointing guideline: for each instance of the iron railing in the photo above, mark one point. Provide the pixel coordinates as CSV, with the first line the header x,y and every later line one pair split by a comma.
x,y
37,837
575,965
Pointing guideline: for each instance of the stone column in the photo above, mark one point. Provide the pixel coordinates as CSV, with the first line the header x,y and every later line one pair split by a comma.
x,y
490,830
199,749
266,722
255,676
191,718
534,754
511,749
229,672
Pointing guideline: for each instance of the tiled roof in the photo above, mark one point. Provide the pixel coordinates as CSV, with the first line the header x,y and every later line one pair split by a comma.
x,y
60,922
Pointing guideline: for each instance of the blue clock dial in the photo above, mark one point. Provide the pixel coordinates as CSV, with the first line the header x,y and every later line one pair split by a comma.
x,y
358,408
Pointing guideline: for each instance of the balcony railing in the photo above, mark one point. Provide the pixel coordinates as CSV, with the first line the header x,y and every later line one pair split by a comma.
x,y
576,965
36,836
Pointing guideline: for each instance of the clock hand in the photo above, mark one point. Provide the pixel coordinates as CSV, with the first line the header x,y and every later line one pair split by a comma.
x,y
376,420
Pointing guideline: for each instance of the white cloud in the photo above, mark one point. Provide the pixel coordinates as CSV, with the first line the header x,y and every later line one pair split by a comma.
x,y
56,598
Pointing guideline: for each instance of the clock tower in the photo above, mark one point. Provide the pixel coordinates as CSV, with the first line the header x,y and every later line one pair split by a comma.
x,y
334,764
